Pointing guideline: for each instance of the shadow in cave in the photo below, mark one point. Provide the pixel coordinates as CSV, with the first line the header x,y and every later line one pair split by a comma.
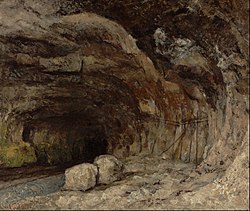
x,y
89,150
82,151
65,146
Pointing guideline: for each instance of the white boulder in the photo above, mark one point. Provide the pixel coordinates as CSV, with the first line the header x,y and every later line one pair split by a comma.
x,y
80,177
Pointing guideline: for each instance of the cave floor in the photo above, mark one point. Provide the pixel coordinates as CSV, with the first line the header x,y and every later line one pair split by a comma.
x,y
150,182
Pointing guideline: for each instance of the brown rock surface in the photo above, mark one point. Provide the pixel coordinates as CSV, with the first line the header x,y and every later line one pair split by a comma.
x,y
161,78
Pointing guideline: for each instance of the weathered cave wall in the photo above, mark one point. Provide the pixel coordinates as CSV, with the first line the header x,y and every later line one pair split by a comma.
x,y
83,81
69,79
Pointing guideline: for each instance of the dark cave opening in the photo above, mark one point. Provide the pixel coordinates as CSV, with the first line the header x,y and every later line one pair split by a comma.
x,y
63,141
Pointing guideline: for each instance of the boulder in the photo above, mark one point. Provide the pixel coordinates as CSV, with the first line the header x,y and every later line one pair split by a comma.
x,y
80,177
110,169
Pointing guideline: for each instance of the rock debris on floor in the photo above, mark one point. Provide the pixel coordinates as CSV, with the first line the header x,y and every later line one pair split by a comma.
x,y
148,183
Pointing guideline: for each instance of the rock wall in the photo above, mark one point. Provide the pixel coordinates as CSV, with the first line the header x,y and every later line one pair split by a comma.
x,y
83,78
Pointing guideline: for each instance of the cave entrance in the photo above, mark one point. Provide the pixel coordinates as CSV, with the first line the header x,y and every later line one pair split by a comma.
x,y
88,150
65,140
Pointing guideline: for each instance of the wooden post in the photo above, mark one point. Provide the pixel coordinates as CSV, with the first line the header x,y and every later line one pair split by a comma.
x,y
197,133
190,149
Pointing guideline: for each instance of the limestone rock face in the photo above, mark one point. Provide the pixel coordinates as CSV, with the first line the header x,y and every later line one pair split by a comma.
x,y
83,78
156,77
80,177
77,86
109,169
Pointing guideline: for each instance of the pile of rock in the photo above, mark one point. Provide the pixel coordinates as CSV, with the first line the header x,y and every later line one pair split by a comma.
x,y
105,170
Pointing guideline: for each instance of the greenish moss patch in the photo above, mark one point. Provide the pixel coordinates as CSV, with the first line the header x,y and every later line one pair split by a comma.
x,y
16,155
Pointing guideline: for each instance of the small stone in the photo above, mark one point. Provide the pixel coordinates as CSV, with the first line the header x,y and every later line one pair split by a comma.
x,y
110,169
166,156
80,177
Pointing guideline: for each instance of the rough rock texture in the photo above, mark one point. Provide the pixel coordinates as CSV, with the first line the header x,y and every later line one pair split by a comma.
x,y
68,81
110,169
159,185
80,177
77,86
169,78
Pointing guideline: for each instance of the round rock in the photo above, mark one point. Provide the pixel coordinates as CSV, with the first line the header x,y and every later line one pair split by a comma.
x,y
110,169
80,177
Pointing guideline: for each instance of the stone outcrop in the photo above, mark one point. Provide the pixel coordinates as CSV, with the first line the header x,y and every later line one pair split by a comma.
x,y
105,170
80,177
110,169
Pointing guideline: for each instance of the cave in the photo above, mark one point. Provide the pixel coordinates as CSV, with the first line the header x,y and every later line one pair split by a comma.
x,y
154,79
65,140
